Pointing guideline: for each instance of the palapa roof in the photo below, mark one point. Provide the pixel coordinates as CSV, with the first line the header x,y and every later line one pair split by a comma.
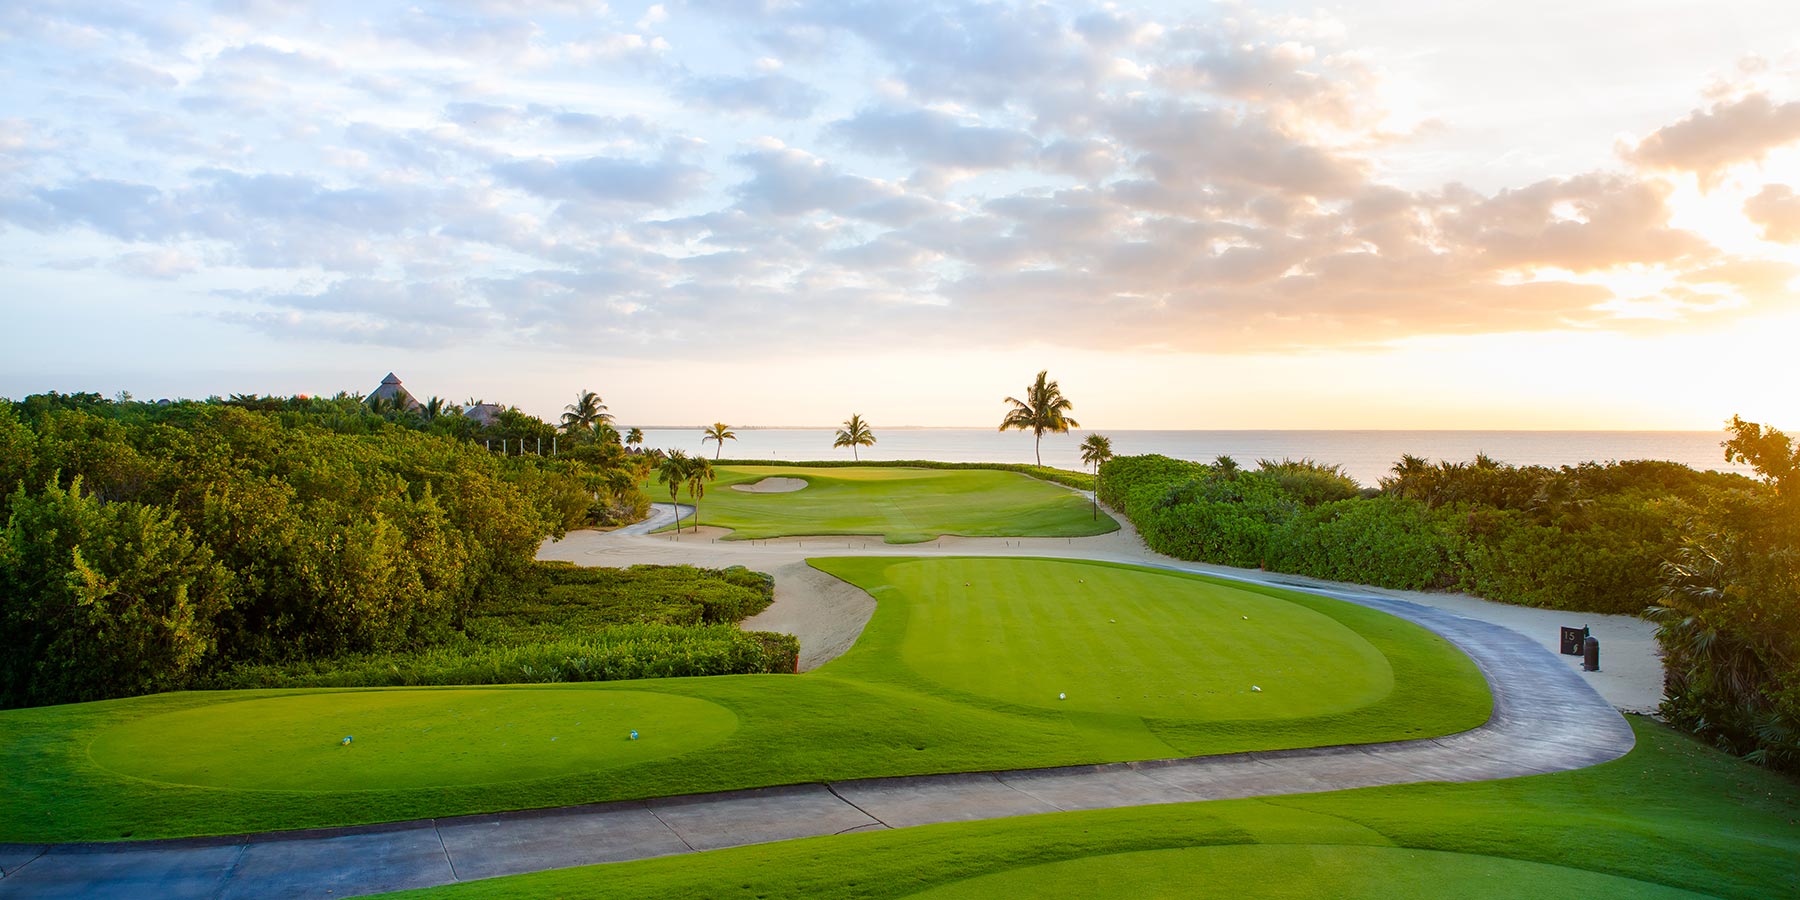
x,y
392,389
484,414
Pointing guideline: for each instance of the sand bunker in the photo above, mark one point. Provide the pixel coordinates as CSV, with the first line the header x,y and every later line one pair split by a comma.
x,y
775,485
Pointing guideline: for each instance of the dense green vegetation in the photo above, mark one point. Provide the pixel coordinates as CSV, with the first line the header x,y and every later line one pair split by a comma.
x,y
1729,617
1715,558
1590,537
904,505
554,622
148,546
894,705
1671,816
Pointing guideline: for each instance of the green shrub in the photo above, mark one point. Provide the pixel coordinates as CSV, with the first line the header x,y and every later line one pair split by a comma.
x,y
101,600
1590,537
555,621
338,531
609,653
1384,541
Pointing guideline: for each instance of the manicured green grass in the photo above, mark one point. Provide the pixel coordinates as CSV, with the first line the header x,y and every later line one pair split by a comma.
x,y
902,505
1305,870
223,762
1120,641
1670,817
407,739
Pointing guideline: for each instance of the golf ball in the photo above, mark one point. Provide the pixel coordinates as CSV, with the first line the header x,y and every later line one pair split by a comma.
x,y
634,734
1061,696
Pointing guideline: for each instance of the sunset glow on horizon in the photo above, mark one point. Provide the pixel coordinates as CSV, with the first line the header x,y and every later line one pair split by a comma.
x,y
1242,215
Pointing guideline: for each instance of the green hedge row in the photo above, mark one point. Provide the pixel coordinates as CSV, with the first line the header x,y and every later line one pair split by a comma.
x,y
1584,538
556,621
612,653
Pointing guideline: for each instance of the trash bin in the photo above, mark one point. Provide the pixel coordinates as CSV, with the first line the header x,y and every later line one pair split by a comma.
x,y
1590,655
1572,639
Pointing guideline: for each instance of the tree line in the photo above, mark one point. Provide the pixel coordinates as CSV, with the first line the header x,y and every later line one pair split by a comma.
x,y
146,544
1712,558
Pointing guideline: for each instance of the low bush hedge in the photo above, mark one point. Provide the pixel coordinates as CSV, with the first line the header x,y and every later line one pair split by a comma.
x,y
558,622
611,653
1591,538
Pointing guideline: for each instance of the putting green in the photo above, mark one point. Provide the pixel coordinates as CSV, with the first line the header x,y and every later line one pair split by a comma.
x,y
903,505
1127,641
1303,872
404,738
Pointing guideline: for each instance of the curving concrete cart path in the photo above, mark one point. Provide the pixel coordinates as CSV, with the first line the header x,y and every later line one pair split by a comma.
x,y
1546,719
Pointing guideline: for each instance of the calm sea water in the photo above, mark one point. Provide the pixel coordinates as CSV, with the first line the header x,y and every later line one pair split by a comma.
x,y
1364,455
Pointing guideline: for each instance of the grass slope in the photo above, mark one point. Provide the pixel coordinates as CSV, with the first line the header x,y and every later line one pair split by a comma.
x,y
223,762
1671,819
902,505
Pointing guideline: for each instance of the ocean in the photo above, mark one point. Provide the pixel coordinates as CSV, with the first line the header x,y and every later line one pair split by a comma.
x,y
1364,455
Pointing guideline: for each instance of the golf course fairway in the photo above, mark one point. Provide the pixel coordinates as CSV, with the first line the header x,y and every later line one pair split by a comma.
x,y
1302,872
407,739
900,504
969,664
1099,639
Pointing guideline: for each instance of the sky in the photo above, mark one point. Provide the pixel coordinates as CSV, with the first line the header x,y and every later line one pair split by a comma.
x,y
1485,215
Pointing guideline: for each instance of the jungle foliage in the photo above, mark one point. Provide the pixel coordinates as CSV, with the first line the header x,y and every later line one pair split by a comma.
x,y
148,544
1589,537
1713,558
557,622
1729,613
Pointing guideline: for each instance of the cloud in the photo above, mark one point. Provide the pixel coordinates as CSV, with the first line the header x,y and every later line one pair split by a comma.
x,y
1587,223
789,182
1710,141
1084,158
163,264
116,208
770,93
606,179
482,116
928,137
1181,142
1776,208
1053,173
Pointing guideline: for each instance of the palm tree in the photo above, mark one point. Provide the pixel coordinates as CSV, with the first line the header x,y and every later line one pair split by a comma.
x,y
584,412
719,433
434,407
700,471
634,438
1043,409
673,472
603,433
854,434
1095,451
1228,467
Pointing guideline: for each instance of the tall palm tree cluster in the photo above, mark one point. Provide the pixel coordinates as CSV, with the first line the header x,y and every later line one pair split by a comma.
x,y
678,470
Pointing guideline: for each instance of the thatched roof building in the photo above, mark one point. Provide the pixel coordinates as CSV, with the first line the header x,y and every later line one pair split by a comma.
x,y
392,389
483,414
